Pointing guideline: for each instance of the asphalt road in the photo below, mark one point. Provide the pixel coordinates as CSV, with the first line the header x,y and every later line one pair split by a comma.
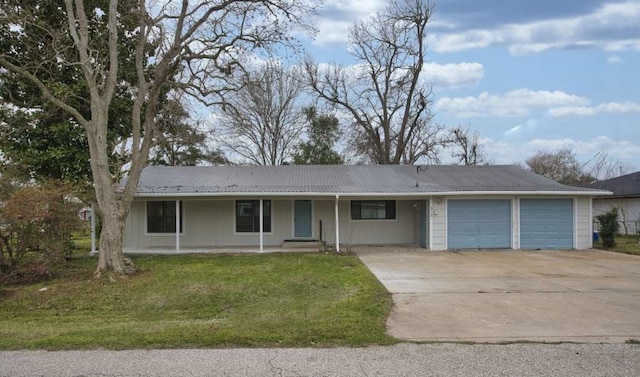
x,y
402,360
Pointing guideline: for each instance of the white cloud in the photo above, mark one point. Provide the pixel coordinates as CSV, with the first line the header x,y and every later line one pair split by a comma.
x,y
517,103
439,75
614,59
607,28
507,152
331,32
336,16
453,75
605,108
358,7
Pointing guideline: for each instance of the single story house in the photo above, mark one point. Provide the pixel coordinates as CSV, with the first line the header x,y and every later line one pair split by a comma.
x,y
626,197
434,207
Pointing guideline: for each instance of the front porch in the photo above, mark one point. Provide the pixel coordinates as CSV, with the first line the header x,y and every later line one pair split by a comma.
x,y
232,225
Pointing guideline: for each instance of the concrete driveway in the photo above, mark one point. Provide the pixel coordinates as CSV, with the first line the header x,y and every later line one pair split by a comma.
x,y
503,296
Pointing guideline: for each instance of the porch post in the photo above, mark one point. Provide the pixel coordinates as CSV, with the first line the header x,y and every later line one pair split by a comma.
x,y
261,226
430,219
177,226
93,228
337,226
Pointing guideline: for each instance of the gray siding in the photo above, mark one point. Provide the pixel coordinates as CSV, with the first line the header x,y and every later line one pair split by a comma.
x,y
438,218
211,223
628,214
208,223
584,229
367,232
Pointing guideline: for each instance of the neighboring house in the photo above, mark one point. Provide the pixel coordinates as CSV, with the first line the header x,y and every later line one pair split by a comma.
x,y
435,207
626,196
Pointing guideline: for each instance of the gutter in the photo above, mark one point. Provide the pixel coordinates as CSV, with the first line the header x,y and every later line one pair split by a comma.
x,y
368,194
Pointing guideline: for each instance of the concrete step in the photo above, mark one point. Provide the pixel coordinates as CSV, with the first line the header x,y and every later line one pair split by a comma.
x,y
301,244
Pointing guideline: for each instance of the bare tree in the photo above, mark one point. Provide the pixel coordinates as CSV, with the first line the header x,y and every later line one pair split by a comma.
x,y
193,46
262,121
384,94
602,166
180,141
466,147
561,166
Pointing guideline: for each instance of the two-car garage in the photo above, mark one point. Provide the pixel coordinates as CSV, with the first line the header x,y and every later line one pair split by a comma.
x,y
489,223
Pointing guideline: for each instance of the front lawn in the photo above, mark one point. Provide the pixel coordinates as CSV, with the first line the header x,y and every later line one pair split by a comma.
x,y
257,300
624,244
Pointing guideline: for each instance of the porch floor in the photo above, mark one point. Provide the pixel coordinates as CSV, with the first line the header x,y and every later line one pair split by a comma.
x,y
169,250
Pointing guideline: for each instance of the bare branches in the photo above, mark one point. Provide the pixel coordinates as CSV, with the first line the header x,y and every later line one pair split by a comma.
x,y
466,147
385,95
563,166
602,166
262,121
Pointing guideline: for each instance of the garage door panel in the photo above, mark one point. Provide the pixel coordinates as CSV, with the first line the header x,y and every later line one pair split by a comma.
x,y
481,224
546,223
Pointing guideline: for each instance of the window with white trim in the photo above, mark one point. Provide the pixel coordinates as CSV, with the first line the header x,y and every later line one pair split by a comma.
x,y
248,216
161,216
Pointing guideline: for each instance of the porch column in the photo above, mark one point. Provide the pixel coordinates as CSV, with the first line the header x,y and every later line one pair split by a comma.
x,y
93,228
177,226
337,226
261,226
430,213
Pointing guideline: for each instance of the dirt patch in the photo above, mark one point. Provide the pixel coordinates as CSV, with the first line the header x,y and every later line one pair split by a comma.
x,y
6,293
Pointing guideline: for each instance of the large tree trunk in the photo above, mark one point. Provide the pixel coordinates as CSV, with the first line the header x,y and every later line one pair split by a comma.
x,y
113,206
111,258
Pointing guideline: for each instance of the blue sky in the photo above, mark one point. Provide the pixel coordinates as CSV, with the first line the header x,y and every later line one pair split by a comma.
x,y
525,75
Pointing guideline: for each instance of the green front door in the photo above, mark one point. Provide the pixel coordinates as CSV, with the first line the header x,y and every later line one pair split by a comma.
x,y
302,219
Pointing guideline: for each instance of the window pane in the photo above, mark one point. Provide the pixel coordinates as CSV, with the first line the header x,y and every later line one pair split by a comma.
x,y
391,209
248,216
244,216
355,210
373,209
266,208
155,217
161,217
169,217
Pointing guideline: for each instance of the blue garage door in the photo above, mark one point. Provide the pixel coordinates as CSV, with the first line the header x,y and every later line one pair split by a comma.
x,y
479,224
546,223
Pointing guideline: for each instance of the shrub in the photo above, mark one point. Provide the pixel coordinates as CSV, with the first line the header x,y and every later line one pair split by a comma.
x,y
36,225
609,227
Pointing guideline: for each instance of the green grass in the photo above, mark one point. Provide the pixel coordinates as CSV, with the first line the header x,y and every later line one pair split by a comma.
x,y
82,242
624,244
201,301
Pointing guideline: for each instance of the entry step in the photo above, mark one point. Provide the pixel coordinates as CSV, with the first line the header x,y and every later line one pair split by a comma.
x,y
301,243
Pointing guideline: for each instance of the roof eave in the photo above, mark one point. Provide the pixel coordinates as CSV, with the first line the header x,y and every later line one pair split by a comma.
x,y
371,194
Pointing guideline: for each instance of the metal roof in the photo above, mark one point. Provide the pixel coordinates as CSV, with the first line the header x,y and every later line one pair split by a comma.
x,y
625,185
346,180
